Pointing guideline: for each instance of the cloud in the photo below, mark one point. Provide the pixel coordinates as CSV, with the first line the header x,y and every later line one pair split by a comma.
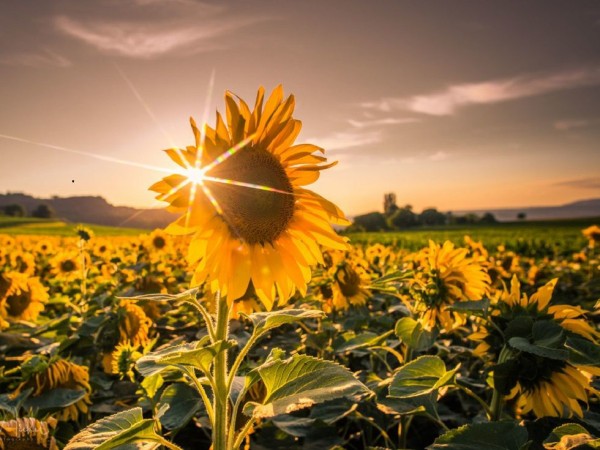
x,y
451,99
379,122
36,59
582,183
346,139
167,26
569,124
438,156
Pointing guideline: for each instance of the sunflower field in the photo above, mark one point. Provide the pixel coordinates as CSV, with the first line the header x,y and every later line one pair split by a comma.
x,y
251,323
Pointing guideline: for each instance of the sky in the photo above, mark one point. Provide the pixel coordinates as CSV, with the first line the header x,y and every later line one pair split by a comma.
x,y
457,105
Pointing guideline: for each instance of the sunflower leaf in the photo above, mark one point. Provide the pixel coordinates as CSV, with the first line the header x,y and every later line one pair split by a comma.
x,y
474,307
413,335
265,321
183,401
125,430
164,297
582,351
570,436
302,381
524,345
54,399
492,436
421,376
195,354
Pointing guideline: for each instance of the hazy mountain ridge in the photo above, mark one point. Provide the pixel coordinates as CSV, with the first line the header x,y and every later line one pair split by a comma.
x,y
93,209
574,210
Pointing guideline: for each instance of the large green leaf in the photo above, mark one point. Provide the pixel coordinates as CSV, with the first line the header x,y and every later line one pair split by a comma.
x,y
421,376
362,341
183,402
196,354
126,430
413,335
265,321
489,436
302,381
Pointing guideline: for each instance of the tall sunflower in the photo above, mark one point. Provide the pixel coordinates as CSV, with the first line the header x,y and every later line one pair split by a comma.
x,y
243,199
27,433
443,276
545,385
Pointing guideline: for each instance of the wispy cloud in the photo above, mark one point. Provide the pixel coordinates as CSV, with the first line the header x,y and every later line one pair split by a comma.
x,y
384,121
569,124
438,156
44,58
582,183
191,27
346,139
451,99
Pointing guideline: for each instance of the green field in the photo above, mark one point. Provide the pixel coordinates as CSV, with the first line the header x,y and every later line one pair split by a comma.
x,y
54,227
535,238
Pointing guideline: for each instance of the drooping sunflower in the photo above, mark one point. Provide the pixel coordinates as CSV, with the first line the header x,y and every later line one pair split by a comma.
x,y
548,385
21,297
243,200
27,433
443,276
61,374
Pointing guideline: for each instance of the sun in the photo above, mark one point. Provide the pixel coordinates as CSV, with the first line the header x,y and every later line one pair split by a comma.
x,y
195,175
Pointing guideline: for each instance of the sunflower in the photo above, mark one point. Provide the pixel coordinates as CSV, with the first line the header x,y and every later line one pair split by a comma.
x,y
348,281
123,360
545,386
66,266
21,297
244,201
443,276
27,433
61,374
22,262
593,234
44,247
131,327
158,241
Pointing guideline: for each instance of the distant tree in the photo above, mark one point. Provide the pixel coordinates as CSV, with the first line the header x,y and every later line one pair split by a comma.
x,y
43,211
402,218
374,221
432,216
488,218
521,216
389,204
14,210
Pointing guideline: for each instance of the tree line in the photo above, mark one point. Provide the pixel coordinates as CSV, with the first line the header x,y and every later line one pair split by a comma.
x,y
42,211
402,218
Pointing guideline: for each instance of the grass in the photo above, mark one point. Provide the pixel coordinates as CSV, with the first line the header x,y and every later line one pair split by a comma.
x,y
56,227
535,238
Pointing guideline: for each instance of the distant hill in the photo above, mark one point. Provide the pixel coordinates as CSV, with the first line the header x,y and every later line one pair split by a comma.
x,y
575,210
95,210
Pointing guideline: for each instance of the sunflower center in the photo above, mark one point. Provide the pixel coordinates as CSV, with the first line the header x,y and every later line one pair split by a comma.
x,y
17,304
159,242
348,280
255,214
25,442
67,266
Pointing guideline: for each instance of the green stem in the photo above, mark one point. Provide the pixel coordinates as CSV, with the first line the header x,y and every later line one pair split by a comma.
x,y
206,316
242,434
221,397
479,400
240,359
404,425
209,409
168,443
497,398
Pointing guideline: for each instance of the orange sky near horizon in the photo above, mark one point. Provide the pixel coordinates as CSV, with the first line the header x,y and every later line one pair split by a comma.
x,y
468,106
